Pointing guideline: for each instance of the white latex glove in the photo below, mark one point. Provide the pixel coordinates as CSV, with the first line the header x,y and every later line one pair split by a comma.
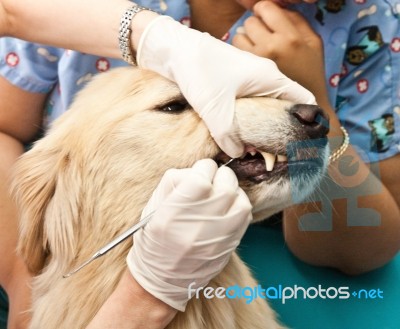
x,y
200,216
212,74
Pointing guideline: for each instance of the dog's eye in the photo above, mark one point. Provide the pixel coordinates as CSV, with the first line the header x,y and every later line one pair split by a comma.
x,y
174,107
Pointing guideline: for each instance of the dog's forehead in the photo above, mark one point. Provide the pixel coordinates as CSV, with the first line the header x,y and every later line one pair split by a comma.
x,y
161,90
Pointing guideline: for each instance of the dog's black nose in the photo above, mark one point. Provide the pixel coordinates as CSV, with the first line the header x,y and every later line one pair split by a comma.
x,y
312,118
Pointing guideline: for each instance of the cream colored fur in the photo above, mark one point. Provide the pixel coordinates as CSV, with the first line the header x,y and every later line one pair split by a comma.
x,y
89,178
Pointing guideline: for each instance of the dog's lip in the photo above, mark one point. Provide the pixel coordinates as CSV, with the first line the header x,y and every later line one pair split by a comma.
x,y
270,157
255,165
254,170
252,165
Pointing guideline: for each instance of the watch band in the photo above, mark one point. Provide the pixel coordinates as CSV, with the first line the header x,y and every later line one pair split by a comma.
x,y
125,31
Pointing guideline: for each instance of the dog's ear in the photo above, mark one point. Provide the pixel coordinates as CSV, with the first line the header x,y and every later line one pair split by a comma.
x,y
41,178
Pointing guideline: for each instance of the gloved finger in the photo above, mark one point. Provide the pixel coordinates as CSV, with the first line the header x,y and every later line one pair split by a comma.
x,y
234,207
229,144
195,185
275,84
206,168
222,196
234,224
225,178
287,89
220,120
240,213
173,177
199,179
179,188
292,91
284,88
226,236
167,184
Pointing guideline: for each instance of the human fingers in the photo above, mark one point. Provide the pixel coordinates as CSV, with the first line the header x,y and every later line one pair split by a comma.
x,y
231,209
191,184
163,189
225,178
275,84
241,214
219,201
197,184
275,18
242,41
218,115
225,181
254,35
303,27
206,167
290,2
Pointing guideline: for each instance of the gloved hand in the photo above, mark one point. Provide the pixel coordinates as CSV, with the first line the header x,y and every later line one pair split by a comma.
x,y
212,74
200,216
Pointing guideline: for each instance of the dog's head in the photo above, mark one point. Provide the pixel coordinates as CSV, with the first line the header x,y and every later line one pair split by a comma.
x,y
100,161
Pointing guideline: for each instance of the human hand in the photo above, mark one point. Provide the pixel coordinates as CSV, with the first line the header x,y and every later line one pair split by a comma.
x,y
212,74
291,2
200,216
248,4
286,37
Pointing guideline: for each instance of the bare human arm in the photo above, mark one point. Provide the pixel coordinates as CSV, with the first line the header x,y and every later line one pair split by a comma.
x,y
54,23
20,120
352,249
130,307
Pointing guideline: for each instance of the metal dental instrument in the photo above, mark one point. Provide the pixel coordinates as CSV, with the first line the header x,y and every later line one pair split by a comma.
x,y
118,240
112,244
226,163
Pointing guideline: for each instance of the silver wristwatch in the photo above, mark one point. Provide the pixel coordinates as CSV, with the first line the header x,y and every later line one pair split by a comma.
x,y
124,35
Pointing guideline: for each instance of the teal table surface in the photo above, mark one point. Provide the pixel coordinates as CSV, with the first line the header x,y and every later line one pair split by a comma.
x,y
373,299
3,309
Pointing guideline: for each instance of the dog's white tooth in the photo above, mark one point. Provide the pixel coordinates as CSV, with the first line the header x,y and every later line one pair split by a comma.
x,y
282,158
253,153
269,160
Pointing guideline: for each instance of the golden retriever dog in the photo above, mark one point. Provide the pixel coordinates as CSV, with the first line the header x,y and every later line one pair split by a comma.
x,y
89,178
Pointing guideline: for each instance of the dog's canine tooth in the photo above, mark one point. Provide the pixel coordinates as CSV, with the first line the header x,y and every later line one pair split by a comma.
x,y
253,153
269,160
282,158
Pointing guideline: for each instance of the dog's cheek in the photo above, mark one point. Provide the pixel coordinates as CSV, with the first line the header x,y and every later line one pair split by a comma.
x,y
179,140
